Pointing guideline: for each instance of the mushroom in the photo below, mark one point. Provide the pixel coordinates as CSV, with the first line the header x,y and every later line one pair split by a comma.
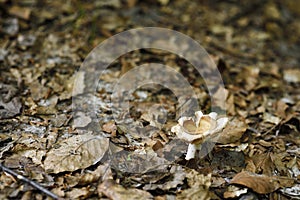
x,y
196,130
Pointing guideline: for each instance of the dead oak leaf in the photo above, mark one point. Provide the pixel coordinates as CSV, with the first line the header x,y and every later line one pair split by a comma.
x,y
261,184
77,152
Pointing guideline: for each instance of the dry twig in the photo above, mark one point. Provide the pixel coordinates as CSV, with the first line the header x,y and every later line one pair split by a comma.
x,y
30,182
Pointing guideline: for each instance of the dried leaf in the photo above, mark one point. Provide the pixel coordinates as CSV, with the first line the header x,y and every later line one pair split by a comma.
x,y
234,192
281,108
74,153
11,26
117,192
199,186
220,96
81,120
73,86
102,171
138,161
38,90
291,75
77,193
23,13
292,191
110,127
263,163
261,184
271,118
233,131
10,105
178,176
10,109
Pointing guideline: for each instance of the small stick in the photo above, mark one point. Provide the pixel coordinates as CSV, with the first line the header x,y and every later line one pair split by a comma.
x,y
30,182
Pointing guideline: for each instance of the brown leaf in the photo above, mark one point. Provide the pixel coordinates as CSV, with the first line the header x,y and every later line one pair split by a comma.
x,y
81,120
233,131
117,192
102,172
157,145
263,163
291,75
10,109
177,178
38,90
220,97
234,192
271,118
199,186
20,12
261,184
110,127
250,75
281,108
77,152
77,193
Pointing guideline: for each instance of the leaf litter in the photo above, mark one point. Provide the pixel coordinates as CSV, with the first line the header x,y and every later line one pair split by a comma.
x,y
256,156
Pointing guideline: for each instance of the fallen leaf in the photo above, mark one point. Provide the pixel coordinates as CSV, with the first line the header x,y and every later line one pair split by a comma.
x,y
38,90
234,192
199,186
291,75
102,172
177,178
25,41
20,12
263,163
81,120
77,152
233,131
292,191
138,161
78,83
10,109
10,104
281,108
261,184
73,86
220,97
249,77
77,193
110,127
234,159
271,118
155,115
10,26
117,192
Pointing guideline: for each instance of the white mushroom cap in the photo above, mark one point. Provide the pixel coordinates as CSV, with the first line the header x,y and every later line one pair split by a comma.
x,y
200,128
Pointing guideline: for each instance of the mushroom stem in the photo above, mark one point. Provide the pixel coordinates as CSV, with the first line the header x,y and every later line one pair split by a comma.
x,y
192,148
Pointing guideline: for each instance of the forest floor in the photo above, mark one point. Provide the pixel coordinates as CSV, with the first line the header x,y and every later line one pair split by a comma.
x,y
66,143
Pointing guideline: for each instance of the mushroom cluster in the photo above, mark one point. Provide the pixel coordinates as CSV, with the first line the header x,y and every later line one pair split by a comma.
x,y
196,130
